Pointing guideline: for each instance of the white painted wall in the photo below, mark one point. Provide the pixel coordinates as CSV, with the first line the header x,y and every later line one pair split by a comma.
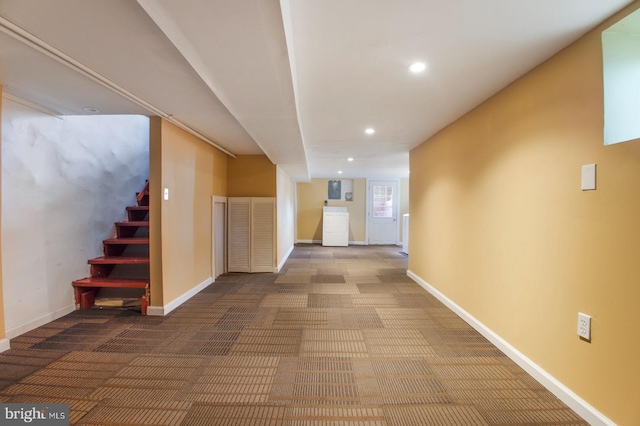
x,y
65,181
285,211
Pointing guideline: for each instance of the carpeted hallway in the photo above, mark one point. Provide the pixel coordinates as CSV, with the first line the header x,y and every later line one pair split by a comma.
x,y
340,337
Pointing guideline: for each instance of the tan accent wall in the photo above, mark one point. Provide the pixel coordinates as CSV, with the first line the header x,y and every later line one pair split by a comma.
x,y
3,332
186,168
500,225
155,210
311,197
220,173
251,176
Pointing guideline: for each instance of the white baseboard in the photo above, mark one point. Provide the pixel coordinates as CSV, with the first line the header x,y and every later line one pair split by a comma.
x,y
284,260
4,345
155,311
566,395
351,243
161,311
41,320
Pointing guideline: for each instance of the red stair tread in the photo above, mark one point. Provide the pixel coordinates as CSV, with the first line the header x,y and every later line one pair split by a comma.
x,y
127,241
86,289
111,282
119,260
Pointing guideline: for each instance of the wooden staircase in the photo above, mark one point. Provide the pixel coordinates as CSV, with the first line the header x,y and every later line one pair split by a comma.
x,y
129,248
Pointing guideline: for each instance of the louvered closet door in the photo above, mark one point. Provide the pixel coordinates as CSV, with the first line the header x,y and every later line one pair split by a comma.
x,y
262,234
239,245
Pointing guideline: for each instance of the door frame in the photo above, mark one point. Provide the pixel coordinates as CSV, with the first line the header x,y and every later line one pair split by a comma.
x,y
214,200
396,206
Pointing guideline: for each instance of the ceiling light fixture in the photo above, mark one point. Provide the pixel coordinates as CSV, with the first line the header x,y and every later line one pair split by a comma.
x,y
350,159
417,67
339,172
369,130
92,110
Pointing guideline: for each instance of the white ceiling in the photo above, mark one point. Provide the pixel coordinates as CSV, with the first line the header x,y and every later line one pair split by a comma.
x,y
297,80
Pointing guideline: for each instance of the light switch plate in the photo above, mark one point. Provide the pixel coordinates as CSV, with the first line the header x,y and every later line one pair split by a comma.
x,y
166,193
588,177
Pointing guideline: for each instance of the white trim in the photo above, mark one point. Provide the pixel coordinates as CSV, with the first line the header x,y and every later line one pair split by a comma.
x,y
164,310
42,320
566,395
155,311
223,200
4,345
367,209
286,256
295,211
351,243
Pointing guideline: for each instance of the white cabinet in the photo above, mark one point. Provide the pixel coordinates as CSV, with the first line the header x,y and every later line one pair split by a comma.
x,y
251,236
335,226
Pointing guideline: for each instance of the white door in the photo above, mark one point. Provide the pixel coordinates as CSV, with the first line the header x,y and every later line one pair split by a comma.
x,y
383,212
263,226
251,234
239,234
219,238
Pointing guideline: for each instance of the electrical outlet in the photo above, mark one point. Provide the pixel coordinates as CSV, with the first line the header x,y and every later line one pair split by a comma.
x,y
584,326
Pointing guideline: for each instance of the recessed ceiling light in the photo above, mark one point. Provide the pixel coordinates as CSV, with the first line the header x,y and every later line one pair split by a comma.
x,y
417,67
92,110
349,159
370,130
339,172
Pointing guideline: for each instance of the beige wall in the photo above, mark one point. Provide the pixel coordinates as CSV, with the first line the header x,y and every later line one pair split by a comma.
x,y
251,176
187,170
311,197
500,226
285,215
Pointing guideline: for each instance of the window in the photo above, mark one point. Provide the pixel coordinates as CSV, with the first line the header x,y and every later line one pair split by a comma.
x,y
382,201
621,79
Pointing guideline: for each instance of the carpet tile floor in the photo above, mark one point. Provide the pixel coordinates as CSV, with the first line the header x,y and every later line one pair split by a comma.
x,y
341,336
